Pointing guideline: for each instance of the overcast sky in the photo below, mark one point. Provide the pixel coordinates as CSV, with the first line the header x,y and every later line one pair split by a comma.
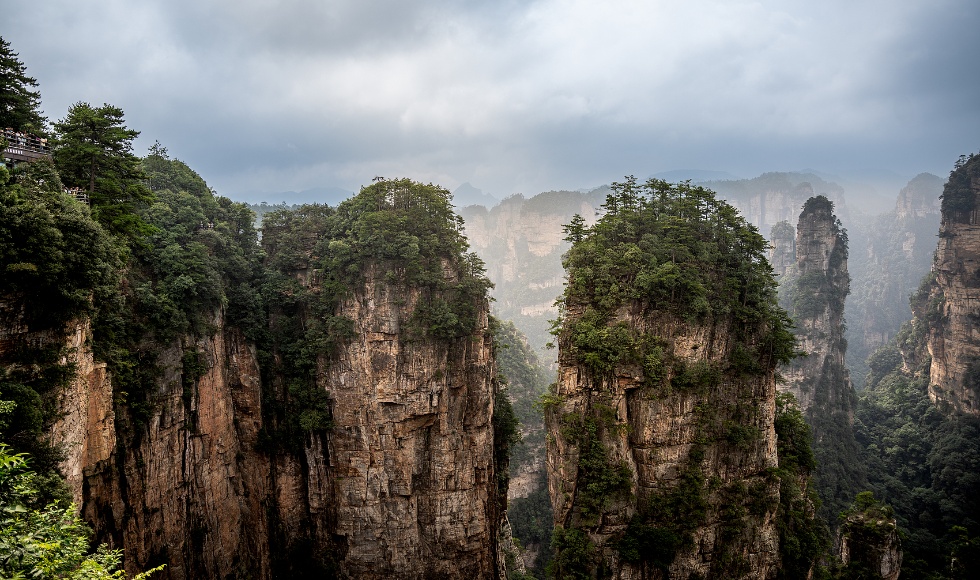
x,y
516,95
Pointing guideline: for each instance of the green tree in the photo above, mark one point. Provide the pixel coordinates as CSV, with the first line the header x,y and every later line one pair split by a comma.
x,y
20,102
94,151
45,541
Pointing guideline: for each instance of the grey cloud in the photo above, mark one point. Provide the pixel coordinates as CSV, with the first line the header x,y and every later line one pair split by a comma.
x,y
516,95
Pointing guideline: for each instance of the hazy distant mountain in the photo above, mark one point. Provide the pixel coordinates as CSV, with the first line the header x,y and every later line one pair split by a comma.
x,y
695,175
466,195
327,195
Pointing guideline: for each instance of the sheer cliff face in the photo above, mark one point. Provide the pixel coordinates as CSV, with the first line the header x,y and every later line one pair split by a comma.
x,y
815,292
662,448
952,309
184,486
408,476
672,445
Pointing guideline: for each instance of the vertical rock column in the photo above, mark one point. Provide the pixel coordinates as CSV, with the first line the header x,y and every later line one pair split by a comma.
x,y
411,476
814,294
952,307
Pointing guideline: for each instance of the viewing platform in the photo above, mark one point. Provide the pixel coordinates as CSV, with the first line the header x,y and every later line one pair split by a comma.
x,y
23,147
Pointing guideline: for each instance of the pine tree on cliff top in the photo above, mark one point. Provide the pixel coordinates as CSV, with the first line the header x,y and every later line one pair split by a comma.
x,y
20,101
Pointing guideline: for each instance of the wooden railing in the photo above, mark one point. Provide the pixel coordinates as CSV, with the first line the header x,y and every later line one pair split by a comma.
x,y
24,146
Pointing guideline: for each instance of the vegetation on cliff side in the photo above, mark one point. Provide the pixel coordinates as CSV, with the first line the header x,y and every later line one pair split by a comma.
x,y
923,460
674,253
46,540
399,232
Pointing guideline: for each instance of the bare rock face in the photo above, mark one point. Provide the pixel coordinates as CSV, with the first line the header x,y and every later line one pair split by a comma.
x,y
952,307
813,293
187,488
667,442
85,425
409,474
817,288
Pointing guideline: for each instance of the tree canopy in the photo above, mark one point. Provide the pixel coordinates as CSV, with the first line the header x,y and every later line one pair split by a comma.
x,y
94,152
20,101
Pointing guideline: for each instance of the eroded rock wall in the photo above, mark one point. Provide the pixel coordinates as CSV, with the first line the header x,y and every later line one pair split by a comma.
x,y
410,477
673,443
184,484
952,307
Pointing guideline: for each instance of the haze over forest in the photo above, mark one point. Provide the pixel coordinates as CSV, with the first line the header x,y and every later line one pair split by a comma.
x,y
520,96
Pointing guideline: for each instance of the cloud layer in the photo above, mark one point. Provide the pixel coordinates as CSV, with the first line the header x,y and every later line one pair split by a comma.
x,y
263,95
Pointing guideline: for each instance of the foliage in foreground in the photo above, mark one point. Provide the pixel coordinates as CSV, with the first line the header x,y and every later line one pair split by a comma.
x,y
46,541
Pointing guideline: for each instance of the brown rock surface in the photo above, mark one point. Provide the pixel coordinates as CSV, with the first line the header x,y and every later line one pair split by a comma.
x,y
816,287
952,309
410,473
655,437
403,485
188,488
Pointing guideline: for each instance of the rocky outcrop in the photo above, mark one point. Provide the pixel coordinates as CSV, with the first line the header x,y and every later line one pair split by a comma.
x,y
814,295
814,292
952,305
402,485
377,458
669,445
409,479
662,447
869,544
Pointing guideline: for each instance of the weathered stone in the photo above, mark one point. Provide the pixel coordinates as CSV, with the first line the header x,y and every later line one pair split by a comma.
x,y
952,309
654,435
870,542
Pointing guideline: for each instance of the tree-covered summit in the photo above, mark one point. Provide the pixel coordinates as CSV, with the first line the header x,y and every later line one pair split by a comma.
x,y
672,248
